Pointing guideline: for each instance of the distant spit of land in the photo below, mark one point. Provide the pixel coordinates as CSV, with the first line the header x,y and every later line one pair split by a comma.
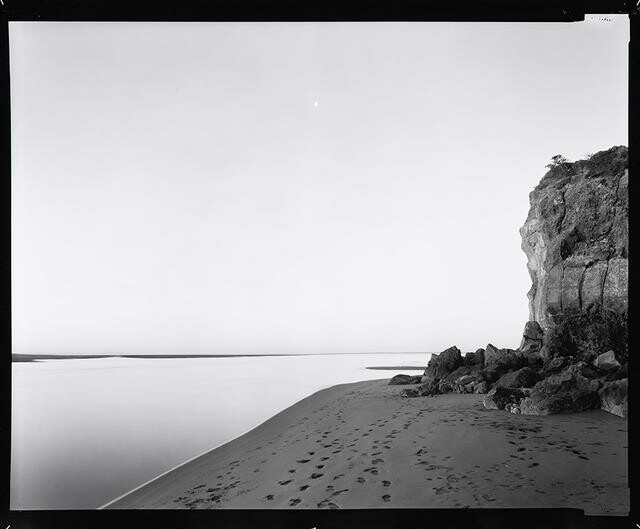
x,y
397,368
19,357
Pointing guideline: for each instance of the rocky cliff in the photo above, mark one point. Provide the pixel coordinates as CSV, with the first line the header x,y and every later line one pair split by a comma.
x,y
576,241
573,354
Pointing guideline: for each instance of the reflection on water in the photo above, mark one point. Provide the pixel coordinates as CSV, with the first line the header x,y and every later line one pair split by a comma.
x,y
85,431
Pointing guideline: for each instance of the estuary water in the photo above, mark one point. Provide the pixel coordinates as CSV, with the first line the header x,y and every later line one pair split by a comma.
x,y
85,431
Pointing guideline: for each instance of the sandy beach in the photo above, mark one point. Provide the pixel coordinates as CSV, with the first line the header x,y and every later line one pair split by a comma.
x,y
361,445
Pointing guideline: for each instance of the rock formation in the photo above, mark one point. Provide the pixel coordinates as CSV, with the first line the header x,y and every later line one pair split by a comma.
x,y
573,353
576,241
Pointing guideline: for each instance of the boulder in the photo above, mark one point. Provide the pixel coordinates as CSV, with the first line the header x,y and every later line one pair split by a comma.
x,y
464,380
607,362
408,393
586,334
498,398
401,379
498,362
618,374
472,371
532,331
474,359
531,338
556,365
507,359
567,391
522,378
440,365
481,387
613,397
428,388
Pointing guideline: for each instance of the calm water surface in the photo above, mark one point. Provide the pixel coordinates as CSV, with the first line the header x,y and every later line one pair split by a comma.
x,y
85,431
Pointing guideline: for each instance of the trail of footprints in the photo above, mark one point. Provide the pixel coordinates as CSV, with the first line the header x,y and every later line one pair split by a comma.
x,y
316,461
349,443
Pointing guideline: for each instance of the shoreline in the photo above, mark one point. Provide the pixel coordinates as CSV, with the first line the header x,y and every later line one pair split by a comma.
x,y
360,445
211,450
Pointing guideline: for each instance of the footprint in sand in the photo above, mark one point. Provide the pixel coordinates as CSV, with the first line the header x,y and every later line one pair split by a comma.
x,y
386,497
316,475
324,458
303,460
386,483
285,482
338,476
294,501
292,471
327,503
304,487
319,466
268,497
360,480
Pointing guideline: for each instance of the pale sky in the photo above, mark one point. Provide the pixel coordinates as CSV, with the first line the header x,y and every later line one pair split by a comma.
x,y
291,187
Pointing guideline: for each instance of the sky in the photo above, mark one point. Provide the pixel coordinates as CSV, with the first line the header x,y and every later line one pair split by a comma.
x,y
233,188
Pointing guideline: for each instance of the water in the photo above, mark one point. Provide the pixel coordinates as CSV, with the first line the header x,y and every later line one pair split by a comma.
x,y
85,431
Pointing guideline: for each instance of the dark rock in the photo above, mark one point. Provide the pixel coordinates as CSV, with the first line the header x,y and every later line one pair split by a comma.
x,y
607,362
400,379
556,365
587,334
461,371
408,393
428,388
567,391
618,374
474,359
446,387
440,365
522,378
498,362
532,330
506,358
481,387
532,359
498,398
531,338
613,397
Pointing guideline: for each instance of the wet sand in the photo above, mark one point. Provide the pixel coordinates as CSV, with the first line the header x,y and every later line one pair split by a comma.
x,y
363,446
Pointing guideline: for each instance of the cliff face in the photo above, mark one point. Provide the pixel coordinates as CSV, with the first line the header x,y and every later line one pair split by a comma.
x,y
576,241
